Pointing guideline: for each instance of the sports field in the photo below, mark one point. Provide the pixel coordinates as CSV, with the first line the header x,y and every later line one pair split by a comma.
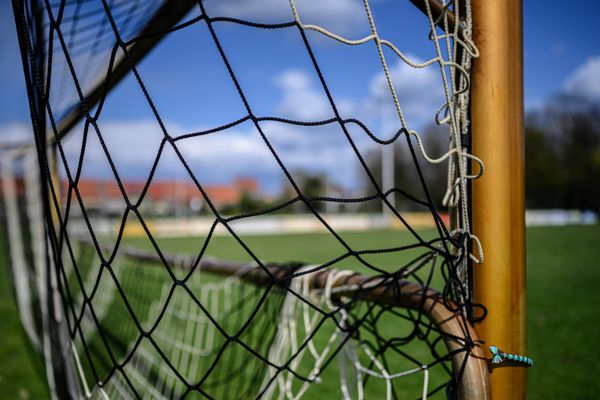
x,y
563,304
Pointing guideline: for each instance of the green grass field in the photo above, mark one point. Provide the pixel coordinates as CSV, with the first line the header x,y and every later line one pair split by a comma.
x,y
21,372
563,305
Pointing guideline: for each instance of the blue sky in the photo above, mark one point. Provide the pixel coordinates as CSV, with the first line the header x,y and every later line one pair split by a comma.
x,y
192,90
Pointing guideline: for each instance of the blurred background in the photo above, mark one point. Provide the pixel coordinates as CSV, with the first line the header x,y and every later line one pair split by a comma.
x,y
562,101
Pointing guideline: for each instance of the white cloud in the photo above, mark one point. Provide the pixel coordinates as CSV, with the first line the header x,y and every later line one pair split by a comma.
x,y
131,155
585,80
228,154
340,16
318,148
225,154
301,100
322,149
304,99
15,132
214,158
419,91
239,151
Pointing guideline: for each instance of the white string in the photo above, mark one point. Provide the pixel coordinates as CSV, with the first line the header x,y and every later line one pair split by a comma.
x,y
456,104
286,342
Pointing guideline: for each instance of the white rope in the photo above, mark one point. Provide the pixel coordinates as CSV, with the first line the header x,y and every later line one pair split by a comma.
x,y
456,105
18,262
287,342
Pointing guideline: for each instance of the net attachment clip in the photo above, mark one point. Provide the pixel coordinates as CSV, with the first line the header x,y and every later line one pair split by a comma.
x,y
499,357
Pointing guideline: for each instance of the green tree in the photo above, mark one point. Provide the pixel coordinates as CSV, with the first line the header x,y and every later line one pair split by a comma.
x,y
406,175
310,185
543,179
249,203
563,155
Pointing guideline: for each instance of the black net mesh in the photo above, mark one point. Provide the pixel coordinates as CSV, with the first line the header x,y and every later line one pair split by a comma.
x,y
341,314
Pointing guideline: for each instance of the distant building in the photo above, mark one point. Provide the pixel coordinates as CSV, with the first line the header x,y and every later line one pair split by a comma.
x,y
163,197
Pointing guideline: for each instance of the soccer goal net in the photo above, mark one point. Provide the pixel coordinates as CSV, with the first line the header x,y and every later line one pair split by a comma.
x,y
129,292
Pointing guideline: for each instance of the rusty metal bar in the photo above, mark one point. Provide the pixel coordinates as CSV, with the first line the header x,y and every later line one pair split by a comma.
x,y
167,16
437,10
454,328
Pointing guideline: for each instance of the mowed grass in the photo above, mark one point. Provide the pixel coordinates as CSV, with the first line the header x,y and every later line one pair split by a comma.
x,y
317,249
563,294
563,304
21,372
305,248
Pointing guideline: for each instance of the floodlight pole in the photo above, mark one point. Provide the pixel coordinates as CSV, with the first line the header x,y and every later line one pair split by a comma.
x,y
498,196
388,169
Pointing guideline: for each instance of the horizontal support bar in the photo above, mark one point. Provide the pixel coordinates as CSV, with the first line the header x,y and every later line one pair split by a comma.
x,y
454,328
437,9
167,16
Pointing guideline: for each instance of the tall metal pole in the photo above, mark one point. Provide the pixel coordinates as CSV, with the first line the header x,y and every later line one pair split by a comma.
x,y
388,171
498,196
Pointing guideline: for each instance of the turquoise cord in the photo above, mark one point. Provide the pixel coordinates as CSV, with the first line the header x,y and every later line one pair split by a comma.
x,y
499,356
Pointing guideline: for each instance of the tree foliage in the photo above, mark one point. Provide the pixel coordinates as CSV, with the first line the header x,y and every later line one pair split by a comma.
x,y
407,176
562,155
562,159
